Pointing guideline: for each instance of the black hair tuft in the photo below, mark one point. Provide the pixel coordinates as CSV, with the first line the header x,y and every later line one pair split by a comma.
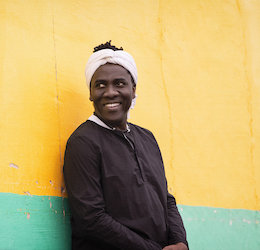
x,y
106,45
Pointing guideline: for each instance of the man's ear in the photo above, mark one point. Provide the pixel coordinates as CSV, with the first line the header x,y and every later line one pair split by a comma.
x,y
134,89
90,96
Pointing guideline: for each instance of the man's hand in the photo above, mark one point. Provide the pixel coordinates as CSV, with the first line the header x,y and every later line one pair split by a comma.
x,y
178,246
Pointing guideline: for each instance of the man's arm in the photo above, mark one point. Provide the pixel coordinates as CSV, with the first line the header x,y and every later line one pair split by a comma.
x,y
83,183
177,233
178,246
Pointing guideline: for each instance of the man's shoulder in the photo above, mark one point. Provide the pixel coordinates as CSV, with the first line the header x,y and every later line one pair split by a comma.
x,y
141,130
87,130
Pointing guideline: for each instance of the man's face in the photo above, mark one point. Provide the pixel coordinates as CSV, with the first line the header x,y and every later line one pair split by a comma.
x,y
112,91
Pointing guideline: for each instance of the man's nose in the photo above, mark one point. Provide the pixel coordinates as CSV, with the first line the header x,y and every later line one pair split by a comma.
x,y
110,91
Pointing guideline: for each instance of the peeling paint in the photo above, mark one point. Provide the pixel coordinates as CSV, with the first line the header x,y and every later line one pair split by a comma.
x,y
34,226
28,193
247,221
12,165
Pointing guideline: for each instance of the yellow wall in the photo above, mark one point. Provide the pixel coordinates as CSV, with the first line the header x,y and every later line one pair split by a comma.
x,y
198,90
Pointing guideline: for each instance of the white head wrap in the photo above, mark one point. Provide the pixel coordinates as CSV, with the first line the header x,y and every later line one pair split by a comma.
x,y
104,56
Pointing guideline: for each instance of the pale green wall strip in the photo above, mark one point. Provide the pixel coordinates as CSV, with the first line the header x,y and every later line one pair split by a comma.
x,y
33,222
42,222
221,229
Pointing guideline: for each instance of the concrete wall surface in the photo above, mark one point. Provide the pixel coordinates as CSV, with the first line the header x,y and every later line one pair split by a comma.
x,y
198,92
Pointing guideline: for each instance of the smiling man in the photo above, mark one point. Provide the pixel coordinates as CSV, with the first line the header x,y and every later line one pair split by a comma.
x,y
112,91
113,169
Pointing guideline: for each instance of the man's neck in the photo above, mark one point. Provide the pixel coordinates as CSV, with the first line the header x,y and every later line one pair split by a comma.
x,y
97,119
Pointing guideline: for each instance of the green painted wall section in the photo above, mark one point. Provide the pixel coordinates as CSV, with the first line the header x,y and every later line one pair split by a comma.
x,y
221,229
34,222
42,222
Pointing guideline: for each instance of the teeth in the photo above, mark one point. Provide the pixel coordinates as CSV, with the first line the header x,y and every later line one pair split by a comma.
x,y
112,105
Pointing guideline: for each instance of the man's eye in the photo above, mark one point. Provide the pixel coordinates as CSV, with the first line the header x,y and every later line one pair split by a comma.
x,y
100,85
120,84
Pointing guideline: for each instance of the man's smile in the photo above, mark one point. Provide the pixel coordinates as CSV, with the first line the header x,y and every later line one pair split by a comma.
x,y
112,106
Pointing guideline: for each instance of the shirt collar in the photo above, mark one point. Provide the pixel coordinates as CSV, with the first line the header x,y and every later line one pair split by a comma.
x,y
95,119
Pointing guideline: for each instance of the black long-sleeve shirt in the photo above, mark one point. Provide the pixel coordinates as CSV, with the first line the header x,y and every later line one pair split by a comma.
x,y
118,191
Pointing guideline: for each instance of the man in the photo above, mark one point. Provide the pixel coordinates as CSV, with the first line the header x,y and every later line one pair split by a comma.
x,y
113,169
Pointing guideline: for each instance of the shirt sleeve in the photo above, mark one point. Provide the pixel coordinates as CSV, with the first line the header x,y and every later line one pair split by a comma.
x,y
177,231
82,175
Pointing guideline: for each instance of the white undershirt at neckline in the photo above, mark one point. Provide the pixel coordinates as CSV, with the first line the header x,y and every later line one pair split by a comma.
x,y
95,119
